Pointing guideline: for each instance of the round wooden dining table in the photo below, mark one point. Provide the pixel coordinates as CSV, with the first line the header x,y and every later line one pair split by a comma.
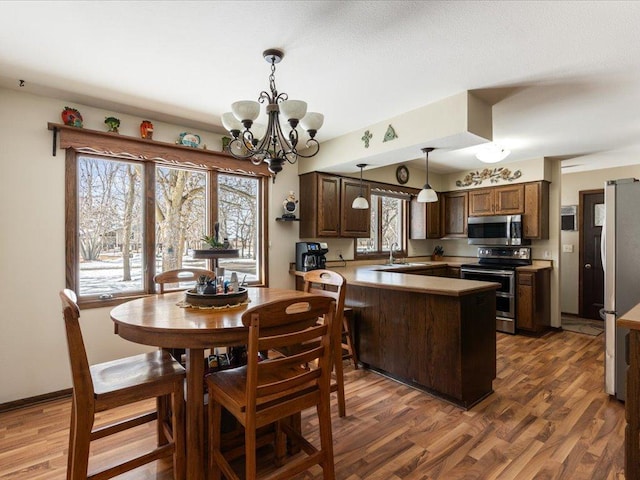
x,y
161,321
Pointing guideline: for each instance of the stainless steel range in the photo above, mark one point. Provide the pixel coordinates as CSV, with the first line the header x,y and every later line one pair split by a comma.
x,y
498,264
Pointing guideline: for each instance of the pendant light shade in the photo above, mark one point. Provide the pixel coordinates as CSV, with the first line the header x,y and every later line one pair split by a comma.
x,y
360,203
427,194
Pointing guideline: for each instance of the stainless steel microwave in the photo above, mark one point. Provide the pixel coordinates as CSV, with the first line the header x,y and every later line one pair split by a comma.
x,y
496,230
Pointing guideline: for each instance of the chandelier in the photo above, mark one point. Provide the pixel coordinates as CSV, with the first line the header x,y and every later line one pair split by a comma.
x,y
270,144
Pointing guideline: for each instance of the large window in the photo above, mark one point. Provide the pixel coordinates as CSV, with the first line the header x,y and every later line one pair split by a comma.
x,y
128,220
388,226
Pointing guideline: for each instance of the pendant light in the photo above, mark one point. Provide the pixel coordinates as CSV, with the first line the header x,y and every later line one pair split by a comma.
x,y
427,194
360,203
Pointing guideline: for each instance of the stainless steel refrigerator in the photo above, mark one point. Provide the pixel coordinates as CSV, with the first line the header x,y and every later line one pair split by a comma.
x,y
621,262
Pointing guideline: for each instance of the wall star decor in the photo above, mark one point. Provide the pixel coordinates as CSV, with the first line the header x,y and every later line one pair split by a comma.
x,y
494,175
389,135
366,137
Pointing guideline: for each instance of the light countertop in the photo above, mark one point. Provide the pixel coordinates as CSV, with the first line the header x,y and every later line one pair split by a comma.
x,y
374,273
631,319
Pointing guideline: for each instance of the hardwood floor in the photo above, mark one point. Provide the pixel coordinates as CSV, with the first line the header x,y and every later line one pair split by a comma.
x,y
547,419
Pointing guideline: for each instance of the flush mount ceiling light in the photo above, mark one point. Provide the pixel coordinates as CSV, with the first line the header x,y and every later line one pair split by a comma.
x,y
492,153
269,144
360,203
427,194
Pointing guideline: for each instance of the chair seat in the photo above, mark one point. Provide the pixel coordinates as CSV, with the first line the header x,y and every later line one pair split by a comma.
x,y
133,372
230,384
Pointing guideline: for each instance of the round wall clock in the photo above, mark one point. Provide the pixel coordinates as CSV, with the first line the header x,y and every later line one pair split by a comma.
x,y
402,174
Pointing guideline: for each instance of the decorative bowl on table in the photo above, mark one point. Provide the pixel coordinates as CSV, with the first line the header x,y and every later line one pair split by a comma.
x,y
217,299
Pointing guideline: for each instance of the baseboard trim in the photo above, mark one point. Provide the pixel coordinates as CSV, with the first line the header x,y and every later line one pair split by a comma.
x,y
28,402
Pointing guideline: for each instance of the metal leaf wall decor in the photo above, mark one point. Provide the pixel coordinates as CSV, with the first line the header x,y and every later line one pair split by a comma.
x,y
494,175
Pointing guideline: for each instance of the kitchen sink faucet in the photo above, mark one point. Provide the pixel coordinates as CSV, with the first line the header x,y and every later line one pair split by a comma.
x,y
393,245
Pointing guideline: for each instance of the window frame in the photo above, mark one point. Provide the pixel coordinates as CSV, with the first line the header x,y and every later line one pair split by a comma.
x,y
403,244
82,142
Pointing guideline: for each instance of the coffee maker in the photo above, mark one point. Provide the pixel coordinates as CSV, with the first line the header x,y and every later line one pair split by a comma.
x,y
310,256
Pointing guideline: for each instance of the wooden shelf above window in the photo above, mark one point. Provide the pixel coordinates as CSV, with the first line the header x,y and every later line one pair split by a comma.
x,y
107,144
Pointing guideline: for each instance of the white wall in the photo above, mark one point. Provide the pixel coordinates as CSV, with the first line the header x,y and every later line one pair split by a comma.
x,y
572,185
33,351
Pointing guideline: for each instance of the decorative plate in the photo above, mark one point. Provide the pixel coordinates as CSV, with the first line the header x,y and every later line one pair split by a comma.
x,y
402,174
189,139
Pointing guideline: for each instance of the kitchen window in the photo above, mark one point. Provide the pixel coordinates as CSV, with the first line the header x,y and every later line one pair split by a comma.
x,y
388,226
129,219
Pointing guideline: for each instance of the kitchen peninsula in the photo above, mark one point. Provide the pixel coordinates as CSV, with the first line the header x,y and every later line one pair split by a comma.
x,y
434,333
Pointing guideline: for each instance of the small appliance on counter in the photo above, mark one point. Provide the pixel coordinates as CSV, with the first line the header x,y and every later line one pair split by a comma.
x,y
311,256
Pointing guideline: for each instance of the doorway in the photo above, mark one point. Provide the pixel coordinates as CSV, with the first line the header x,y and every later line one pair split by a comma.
x,y
591,273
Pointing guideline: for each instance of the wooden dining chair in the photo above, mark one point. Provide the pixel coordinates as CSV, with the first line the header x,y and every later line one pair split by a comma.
x,y
332,284
176,276
108,385
179,275
272,390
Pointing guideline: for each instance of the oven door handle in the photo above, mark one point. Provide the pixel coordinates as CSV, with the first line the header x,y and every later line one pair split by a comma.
x,y
502,273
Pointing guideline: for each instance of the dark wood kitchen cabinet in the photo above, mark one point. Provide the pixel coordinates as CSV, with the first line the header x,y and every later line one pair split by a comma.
x,y
533,307
319,205
453,272
424,220
353,222
443,344
505,200
325,207
454,211
536,210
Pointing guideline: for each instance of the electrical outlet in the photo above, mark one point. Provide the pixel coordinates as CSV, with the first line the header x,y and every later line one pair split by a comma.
x,y
547,254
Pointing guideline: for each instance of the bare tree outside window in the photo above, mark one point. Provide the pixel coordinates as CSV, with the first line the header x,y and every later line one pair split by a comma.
x,y
387,225
180,217
110,225
238,218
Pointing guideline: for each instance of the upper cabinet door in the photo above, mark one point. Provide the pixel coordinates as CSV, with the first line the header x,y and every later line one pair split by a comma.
x,y
536,215
354,223
481,202
509,199
454,213
433,219
319,205
424,219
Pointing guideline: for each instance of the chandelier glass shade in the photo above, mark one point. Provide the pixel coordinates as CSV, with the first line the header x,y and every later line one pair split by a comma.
x,y
360,203
492,153
269,143
427,194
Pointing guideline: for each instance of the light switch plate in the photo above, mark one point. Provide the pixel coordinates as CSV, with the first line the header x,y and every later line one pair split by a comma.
x,y
567,248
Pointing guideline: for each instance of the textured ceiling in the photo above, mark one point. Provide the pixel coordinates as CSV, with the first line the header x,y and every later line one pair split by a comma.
x,y
563,77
